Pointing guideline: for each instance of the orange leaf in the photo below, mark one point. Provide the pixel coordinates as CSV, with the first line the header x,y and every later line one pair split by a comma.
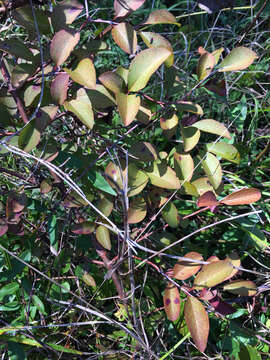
x,y
242,197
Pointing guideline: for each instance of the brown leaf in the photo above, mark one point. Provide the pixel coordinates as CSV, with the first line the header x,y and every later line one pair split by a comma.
x,y
197,322
207,199
242,197
183,269
171,301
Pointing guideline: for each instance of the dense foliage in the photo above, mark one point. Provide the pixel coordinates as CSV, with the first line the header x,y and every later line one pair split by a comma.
x,y
134,174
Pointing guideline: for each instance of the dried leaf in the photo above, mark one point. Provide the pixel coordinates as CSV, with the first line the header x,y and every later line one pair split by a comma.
x,y
207,199
171,300
242,197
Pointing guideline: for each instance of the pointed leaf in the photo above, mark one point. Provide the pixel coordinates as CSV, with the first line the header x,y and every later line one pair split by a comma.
x,y
161,17
242,197
112,81
88,279
30,94
233,259
183,269
238,59
143,151
191,136
171,300
82,110
217,53
103,237
128,106
105,205
63,42
224,150
59,88
152,40
137,210
207,199
197,322
65,13
213,127
118,175
183,166
205,65
137,180
241,287
213,274
123,7
29,136
125,37
100,97
84,74
212,168
163,176
16,48
84,228
170,215
144,65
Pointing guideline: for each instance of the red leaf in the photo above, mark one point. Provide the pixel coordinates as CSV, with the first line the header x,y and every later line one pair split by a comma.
x,y
207,199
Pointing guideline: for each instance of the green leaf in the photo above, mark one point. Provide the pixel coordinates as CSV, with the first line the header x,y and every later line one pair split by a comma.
x,y
137,210
63,42
205,65
241,287
143,151
212,168
16,48
163,176
103,237
20,73
29,136
53,234
238,59
9,289
213,274
39,304
189,106
144,65
15,351
100,97
30,94
257,237
224,150
137,180
170,215
112,81
213,127
191,136
84,74
128,107
82,110
100,183
125,37
161,17
183,166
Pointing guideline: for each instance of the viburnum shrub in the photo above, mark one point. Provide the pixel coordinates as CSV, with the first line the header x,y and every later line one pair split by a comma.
x,y
86,134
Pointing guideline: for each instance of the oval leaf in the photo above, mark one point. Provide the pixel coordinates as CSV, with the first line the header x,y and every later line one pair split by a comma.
x,y
100,97
65,13
59,88
201,185
84,74
125,37
207,199
16,48
212,168
183,166
161,17
144,65
82,110
137,210
170,215
63,42
103,237
213,274
205,65
242,197
171,300
197,322
29,136
241,287
83,228
238,59
163,176
116,174
183,269
224,150
128,106
143,151
213,127
191,136
137,180
112,81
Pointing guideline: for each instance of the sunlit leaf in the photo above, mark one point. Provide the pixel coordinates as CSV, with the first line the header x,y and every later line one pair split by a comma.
x,y
137,180
82,110
144,65
123,7
191,136
59,88
213,127
242,197
205,65
238,59
161,17
217,53
183,269
112,81
169,125
30,94
63,42
213,274
84,74
29,136
88,279
233,259
125,37
128,106
197,322
170,215
137,210
171,300
212,169
65,13
103,237
202,185
224,150
152,40
163,176
241,287
183,166
117,174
